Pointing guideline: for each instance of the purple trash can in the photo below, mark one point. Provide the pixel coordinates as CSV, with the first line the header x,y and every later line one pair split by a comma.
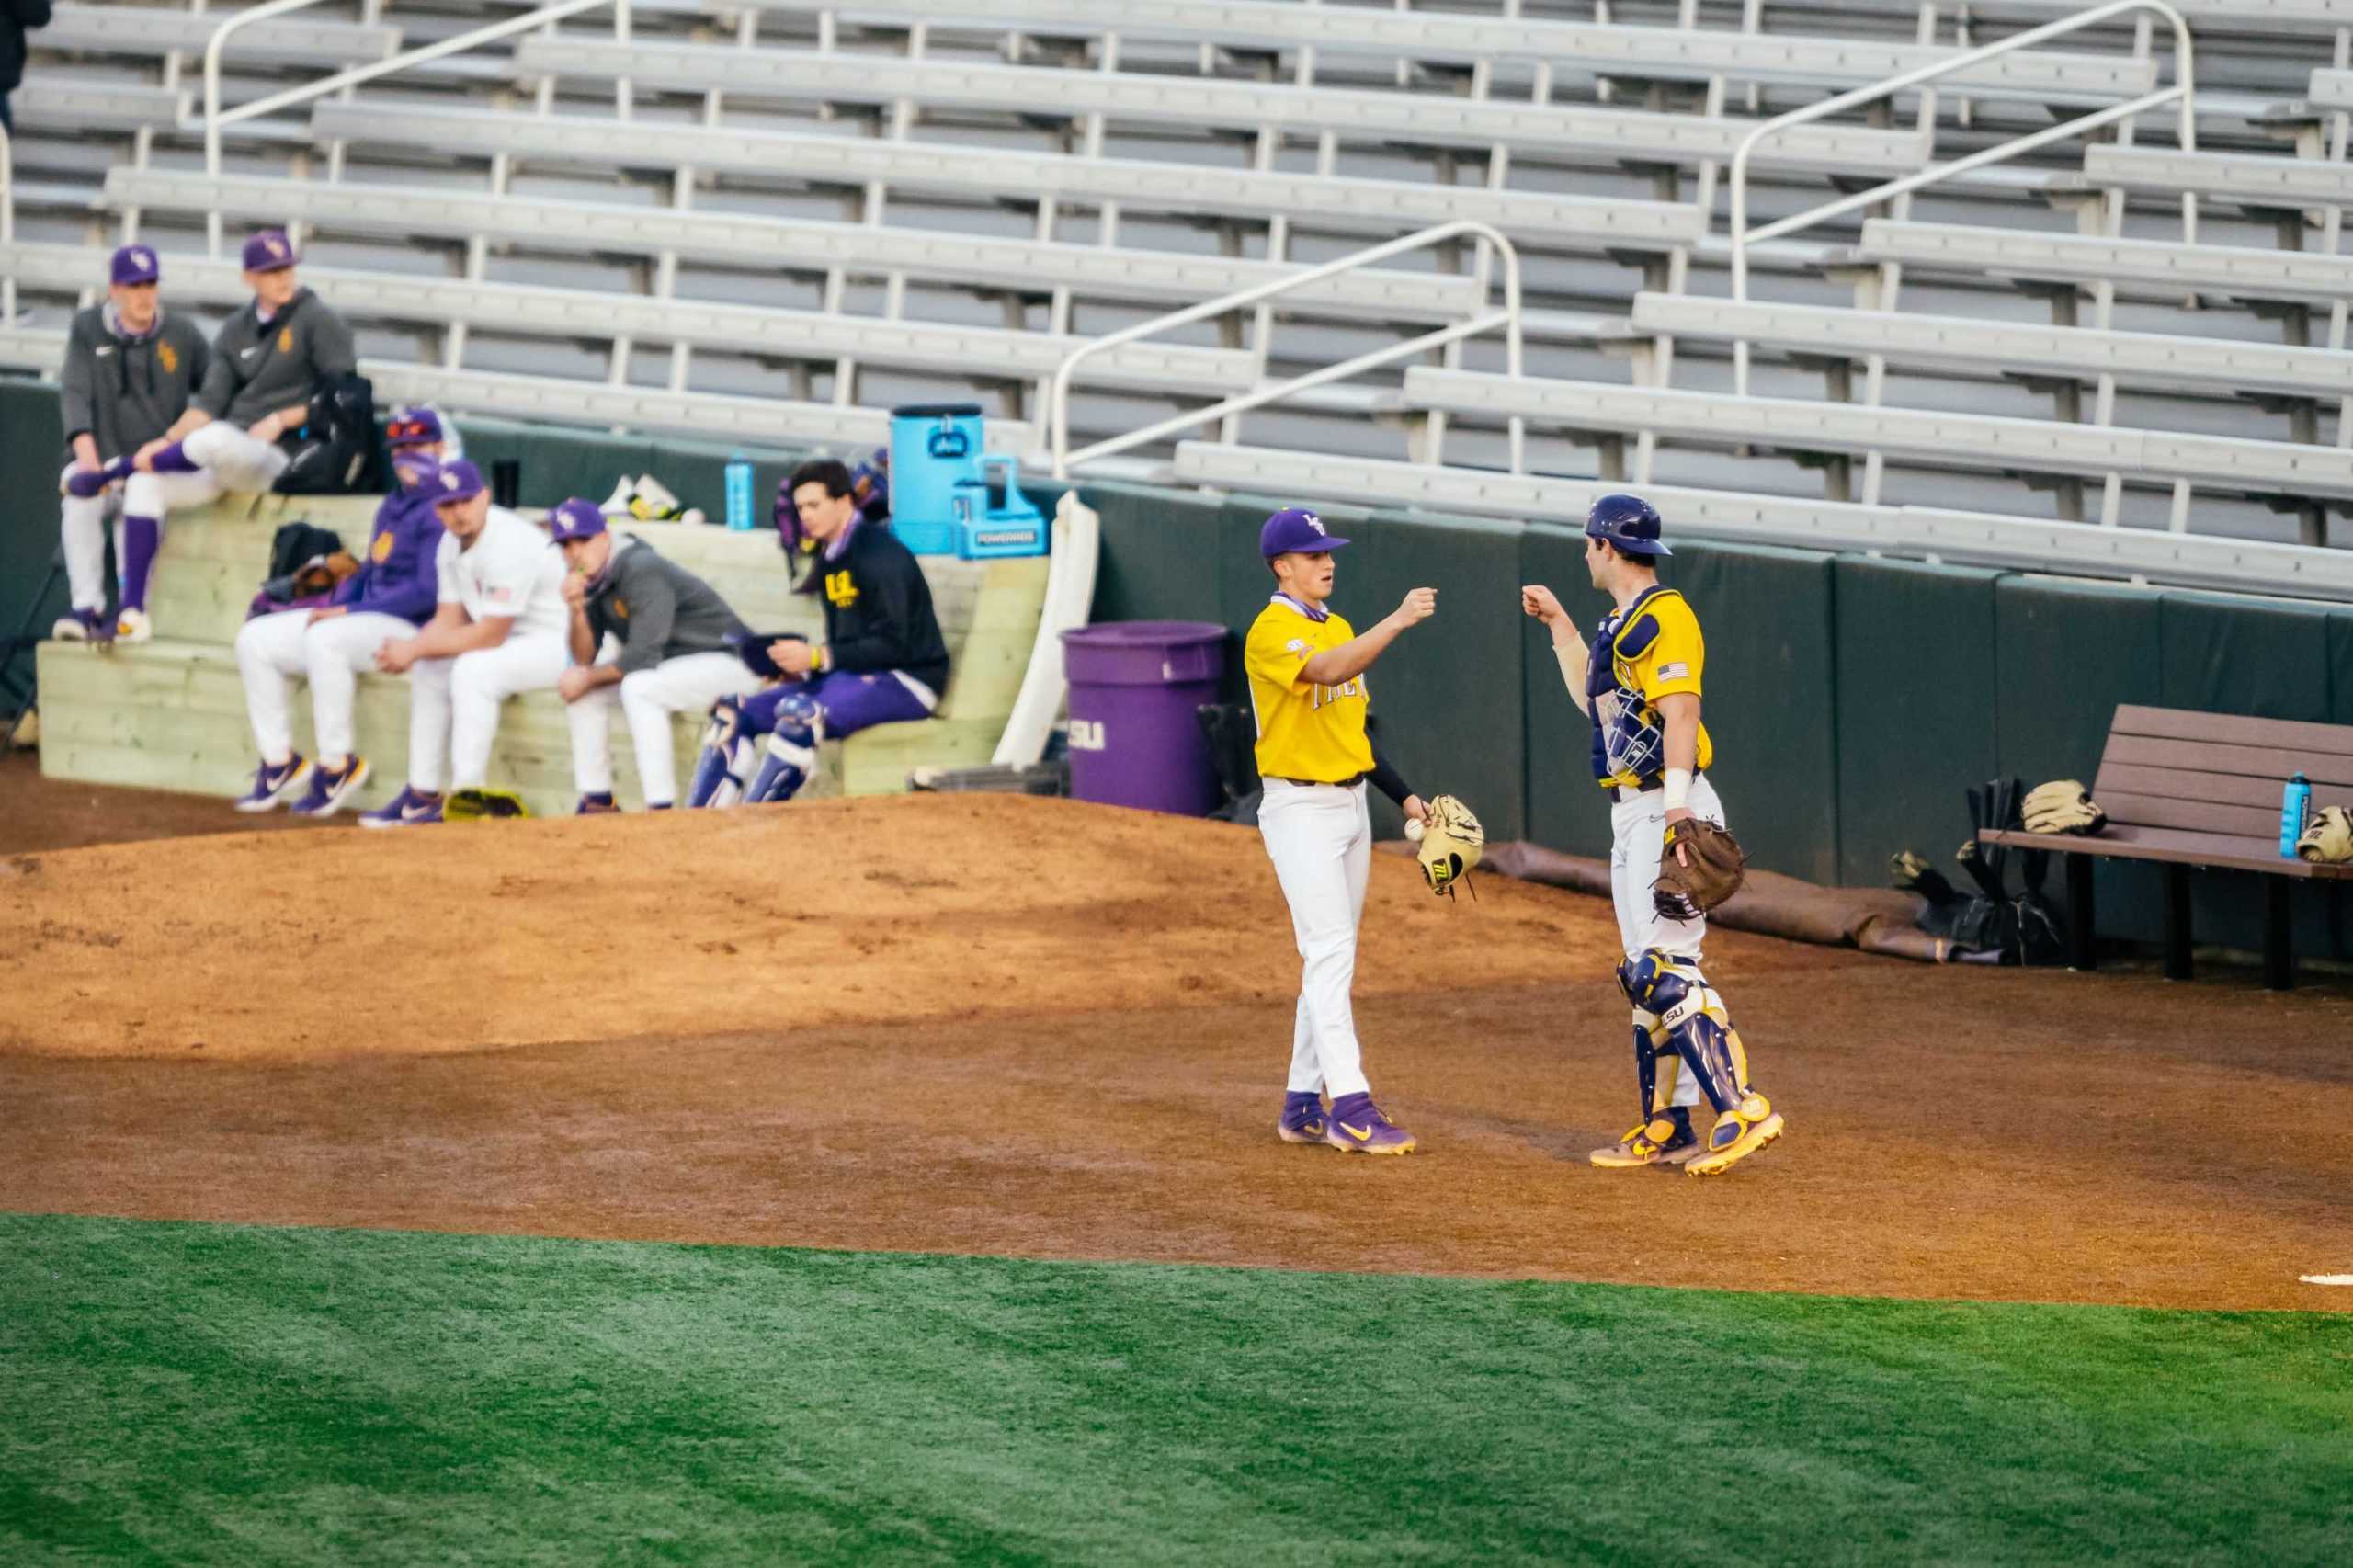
x,y
1135,736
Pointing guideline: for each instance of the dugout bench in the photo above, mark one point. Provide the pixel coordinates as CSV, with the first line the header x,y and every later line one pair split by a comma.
x,y
170,715
2200,791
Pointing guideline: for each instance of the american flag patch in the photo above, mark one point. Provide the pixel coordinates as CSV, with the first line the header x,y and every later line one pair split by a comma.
x,y
1675,671
499,596
1297,646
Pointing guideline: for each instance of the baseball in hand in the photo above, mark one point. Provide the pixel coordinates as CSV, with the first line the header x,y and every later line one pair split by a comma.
x,y
1414,830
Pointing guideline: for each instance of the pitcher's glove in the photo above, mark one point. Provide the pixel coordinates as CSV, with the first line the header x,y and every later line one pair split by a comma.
x,y
2062,806
2329,836
1451,843
483,805
1707,870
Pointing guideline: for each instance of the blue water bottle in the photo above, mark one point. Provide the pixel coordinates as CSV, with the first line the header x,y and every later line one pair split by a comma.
x,y
2295,810
739,494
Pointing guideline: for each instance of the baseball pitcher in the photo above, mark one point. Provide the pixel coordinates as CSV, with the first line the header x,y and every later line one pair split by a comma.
x,y
1306,666
266,362
390,597
1639,683
648,637
498,629
130,369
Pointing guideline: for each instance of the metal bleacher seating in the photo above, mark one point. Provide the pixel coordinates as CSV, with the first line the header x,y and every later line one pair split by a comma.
x,y
819,208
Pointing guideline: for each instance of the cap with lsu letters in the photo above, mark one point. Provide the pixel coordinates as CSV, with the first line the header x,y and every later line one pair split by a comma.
x,y
134,265
1295,530
269,251
458,481
575,518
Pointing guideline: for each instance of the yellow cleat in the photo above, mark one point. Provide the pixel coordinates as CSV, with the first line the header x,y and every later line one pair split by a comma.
x,y
1658,1141
1738,1133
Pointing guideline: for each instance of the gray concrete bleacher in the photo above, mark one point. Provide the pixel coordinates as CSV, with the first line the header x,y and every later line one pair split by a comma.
x,y
2227,271
156,31
1437,119
605,228
1924,437
541,311
2163,361
1666,53
1382,208
2246,179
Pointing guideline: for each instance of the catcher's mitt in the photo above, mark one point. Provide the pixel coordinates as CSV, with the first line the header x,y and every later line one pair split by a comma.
x,y
1452,843
2328,837
483,805
2062,806
1708,871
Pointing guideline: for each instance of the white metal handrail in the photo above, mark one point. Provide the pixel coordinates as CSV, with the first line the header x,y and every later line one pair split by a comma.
x,y
215,117
1508,319
2181,91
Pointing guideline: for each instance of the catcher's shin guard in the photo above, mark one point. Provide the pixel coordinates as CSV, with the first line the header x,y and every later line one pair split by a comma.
x,y
790,756
711,769
1692,1018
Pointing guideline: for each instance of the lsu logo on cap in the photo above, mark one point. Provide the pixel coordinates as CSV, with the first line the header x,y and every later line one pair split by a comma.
x,y
276,246
1313,521
143,258
448,482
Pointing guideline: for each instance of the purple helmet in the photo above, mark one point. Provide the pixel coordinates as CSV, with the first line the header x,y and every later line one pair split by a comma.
x,y
1628,522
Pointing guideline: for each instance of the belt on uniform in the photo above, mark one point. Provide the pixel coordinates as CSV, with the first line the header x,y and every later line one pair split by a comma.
x,y
1348,783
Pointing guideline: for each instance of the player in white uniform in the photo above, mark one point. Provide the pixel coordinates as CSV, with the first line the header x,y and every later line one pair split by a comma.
x,y
1307,692
1639,682
498,629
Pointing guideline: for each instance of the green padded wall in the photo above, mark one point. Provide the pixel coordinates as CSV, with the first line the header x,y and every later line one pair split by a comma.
x,y
1566,809
2267,658
2067,652
1772,691
32,449
1159,555
1915,712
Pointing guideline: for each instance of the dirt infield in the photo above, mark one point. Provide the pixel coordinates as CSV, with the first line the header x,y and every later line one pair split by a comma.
x,y
1001,1025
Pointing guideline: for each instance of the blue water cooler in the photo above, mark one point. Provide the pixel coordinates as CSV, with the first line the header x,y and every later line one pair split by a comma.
x,y
935,447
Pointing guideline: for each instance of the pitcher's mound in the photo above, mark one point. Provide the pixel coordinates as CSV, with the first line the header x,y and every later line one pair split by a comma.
x,y
920,906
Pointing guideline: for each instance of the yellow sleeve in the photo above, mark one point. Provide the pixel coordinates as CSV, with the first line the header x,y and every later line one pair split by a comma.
x,y
1673,661
1277,649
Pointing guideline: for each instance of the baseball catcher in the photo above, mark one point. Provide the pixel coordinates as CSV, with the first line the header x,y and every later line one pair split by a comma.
x,y
1670,859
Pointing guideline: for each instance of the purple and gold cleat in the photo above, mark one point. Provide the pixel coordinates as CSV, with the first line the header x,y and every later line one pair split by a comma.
x,y
83,626
332,789
273,785
407,809
1303,1119
1358,1125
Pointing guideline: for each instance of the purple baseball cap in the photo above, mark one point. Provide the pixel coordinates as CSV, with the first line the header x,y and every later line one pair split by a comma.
x,y
1295,529
412,428
575,518
134,264
458,481
269,251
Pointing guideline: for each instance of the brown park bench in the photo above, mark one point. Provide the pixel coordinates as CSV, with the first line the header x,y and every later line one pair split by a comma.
x,y
2202,790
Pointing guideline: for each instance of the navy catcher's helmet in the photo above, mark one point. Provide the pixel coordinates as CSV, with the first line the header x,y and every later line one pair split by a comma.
x,y
1629,522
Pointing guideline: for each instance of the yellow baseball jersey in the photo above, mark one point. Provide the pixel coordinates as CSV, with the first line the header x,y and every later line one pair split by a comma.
x,y
1652,650
1305,730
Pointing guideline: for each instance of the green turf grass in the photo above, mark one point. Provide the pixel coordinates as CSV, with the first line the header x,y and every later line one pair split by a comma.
x,y
202,1393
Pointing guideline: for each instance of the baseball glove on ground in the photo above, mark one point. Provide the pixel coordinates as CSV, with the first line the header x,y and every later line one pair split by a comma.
x,y
1452,843
1708,871
2328,838
2062,806
483,805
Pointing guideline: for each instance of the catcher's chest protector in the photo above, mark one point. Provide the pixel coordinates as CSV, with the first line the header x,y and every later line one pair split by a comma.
x,y
1628,740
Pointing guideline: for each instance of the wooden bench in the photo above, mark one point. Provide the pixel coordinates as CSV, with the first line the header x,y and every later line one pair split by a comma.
x,y
2194,790
171,713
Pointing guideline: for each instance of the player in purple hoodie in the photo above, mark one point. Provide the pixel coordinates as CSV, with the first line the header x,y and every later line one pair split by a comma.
x,y
390,596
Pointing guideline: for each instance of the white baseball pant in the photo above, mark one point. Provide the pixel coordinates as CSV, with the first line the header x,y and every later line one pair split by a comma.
x,y
1320,838
688,684
1637,842
233,458
453,706
81,523
272,649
